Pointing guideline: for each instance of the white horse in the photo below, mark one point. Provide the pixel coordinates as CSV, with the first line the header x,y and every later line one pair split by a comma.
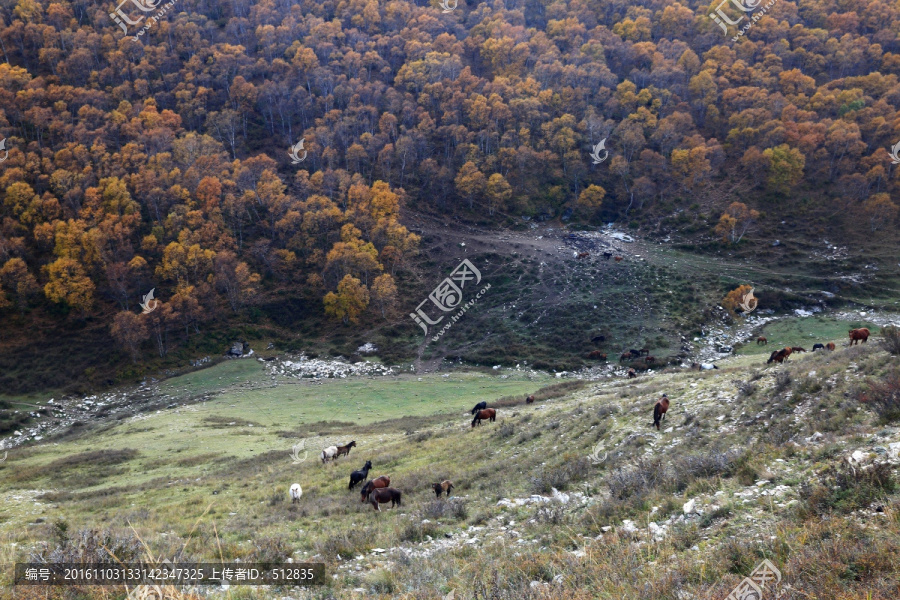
x,y
296,492
329,453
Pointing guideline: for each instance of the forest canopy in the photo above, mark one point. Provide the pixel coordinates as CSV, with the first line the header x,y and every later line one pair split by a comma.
x,y
162,160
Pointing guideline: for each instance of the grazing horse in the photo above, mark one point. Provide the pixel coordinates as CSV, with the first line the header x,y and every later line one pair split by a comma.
x,y
360,476
488,413
596,354
583,255
830,345
777,356
598,339
798,349
659,411
480,406
607,255
625,356
529,399
384,495
296,492
634,353
344,450
857,335
643,352
650,359
442,487
703,366
632,373
379,482
761,340
329,453
787,351
818,347
618,258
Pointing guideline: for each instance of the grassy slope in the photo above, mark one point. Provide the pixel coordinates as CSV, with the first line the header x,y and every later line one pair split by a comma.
x,y
191,471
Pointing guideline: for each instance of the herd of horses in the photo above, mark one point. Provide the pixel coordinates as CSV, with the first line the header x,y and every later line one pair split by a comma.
x,y
779,356
606,255
378,490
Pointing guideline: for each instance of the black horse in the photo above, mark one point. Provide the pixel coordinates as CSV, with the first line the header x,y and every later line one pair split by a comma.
x,y
818,347
480,406
361,475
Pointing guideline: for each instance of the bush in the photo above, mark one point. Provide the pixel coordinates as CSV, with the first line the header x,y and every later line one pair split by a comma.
x,y
782,382
890,339
559,477
455,508
270,551
844,488
88,546
507,430
883,396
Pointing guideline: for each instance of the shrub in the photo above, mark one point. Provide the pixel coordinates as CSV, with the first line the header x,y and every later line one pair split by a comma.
x,y
782,382
746,388
844,488
270,551
883,396
455,508
88,546
559,477
507,430
890,339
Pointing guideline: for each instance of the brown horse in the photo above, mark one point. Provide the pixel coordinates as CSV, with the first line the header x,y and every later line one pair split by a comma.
x,y
659,411
787,351
583,255
442,487
383,496
344,450
798,349
529,399
761,340
777,356
643,352
830,345
617,258
859,335
650,359
632,373
379,482
488,413
625,356
596,354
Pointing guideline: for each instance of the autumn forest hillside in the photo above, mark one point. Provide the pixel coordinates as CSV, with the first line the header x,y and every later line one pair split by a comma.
x,y
161,158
